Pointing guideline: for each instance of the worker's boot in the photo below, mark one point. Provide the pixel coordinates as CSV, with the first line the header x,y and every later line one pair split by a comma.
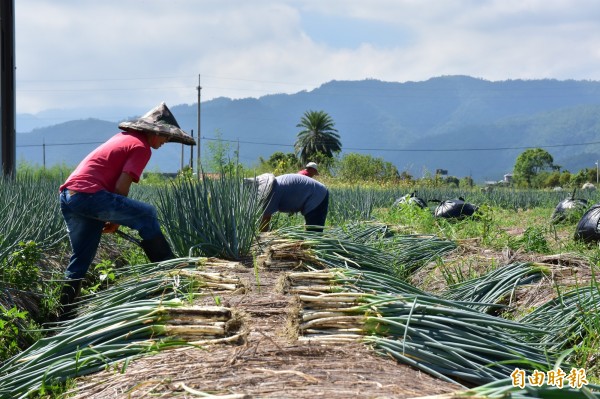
x,y
157,249
70,291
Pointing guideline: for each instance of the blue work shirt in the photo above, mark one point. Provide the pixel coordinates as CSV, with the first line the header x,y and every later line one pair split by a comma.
x,y
295,193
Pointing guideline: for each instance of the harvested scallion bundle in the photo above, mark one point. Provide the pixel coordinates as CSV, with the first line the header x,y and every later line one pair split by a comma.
x,y
94,341
348,280
395,256
494,286
164,284
426,332
569,316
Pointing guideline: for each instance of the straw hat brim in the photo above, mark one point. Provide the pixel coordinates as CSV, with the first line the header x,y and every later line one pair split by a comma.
x,y
175,134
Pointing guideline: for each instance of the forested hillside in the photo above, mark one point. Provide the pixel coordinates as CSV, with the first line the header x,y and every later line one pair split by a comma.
x,y
465,125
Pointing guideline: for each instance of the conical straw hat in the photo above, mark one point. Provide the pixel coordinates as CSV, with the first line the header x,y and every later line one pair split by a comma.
x,y
161,121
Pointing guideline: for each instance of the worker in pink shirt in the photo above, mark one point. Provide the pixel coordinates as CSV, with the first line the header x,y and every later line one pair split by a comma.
x,y
94,198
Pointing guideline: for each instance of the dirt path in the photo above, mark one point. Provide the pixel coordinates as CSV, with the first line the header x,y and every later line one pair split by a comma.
x,y
267,361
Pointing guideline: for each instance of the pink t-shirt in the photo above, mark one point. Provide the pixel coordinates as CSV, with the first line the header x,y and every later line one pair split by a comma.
x,y
127,152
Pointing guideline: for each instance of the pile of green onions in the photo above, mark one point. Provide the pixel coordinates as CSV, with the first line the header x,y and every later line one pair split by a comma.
x,y
452,343
97,340
177,283
569,315
491,288
394,255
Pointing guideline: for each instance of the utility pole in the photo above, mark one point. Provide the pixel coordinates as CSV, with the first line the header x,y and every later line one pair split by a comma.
x,y
7,88
596,172
199,135
192,153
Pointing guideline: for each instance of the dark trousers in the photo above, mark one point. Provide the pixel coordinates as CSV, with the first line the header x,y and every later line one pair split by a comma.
x,y
315,219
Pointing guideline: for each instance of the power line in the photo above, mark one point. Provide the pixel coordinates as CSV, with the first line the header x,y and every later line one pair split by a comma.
x,y
154,78
472,149
145,88
98,79
60,144
421,150
352,148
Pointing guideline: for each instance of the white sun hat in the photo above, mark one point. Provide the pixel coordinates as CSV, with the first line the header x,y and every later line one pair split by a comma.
x,y
312,165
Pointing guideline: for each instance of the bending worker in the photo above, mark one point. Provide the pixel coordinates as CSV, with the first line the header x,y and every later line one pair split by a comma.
x,y
94,200
297,193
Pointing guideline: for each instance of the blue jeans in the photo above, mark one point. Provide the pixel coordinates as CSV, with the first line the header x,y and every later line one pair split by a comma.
x,y
85,215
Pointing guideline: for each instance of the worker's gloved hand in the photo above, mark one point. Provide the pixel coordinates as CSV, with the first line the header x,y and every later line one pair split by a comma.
x,y
110,228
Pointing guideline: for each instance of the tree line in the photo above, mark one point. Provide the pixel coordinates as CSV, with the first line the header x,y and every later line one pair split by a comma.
x,y
319,141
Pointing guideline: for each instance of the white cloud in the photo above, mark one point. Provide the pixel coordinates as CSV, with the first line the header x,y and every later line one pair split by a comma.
x,y
92,53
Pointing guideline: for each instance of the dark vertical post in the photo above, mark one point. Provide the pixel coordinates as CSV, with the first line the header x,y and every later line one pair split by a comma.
x,y
199,137
7,86
192,153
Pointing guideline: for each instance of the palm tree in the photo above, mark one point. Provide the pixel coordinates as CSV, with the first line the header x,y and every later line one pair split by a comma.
x,y
318,135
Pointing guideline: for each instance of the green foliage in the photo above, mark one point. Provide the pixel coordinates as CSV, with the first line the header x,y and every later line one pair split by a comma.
x,y
410,217
552,179
11,321
30,212
280,163
466,182
94,342
454,273
484,225
216,217
318,135
529,164
282,220
185,173
21,269
452,181
355,167
489,227
219,154
325,162
131,254
58,172
579,178
153,178
350,204
565,179
105,271
532,240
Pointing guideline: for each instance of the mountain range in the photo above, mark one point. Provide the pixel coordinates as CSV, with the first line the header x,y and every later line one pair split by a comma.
x,y
467,126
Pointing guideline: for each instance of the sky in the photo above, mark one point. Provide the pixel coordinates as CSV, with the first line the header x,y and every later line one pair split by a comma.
x,y
133,54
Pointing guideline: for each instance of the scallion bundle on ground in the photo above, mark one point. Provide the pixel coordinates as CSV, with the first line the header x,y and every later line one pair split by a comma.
x,y
100,339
